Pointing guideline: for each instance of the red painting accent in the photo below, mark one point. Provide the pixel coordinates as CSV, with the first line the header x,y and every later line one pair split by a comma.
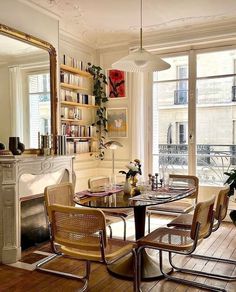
x,y
116,83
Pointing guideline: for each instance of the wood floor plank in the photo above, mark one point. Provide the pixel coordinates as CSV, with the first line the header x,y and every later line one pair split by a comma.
x,y
221,243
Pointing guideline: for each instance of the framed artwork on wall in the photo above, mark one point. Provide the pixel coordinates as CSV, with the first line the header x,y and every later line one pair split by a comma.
x,y
116,84
117,122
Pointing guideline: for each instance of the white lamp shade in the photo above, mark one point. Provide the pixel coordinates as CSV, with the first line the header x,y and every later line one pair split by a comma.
x,y
141,61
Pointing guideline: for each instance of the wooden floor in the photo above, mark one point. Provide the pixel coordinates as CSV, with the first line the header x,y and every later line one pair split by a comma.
x,y
222,243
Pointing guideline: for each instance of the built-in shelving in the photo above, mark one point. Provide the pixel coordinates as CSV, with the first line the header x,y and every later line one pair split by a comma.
x,y
75,71
72,87
70,93
76,104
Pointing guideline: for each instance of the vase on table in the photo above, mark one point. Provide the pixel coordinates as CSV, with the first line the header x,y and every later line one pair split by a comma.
x,y
127,187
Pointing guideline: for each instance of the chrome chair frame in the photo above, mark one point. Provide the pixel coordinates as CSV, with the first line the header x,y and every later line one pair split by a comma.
x,y
137,259
210,258
85,278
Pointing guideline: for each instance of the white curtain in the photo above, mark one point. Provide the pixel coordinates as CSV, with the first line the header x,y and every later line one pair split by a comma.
x,y
16,102
140,91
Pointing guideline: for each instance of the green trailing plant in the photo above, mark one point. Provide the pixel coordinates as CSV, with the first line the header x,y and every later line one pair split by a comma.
x,y
231,181
99,91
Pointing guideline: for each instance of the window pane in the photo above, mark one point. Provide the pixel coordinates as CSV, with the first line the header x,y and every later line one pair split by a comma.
x,y
216,115
172,93
216,63
174,71
39,107
216,90
170,119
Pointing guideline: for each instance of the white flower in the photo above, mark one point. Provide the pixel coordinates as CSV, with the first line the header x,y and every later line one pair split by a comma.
x,y
132,166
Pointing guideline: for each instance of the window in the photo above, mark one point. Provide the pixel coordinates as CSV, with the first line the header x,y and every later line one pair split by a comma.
x,y
39,100
211,113
181,93
182,133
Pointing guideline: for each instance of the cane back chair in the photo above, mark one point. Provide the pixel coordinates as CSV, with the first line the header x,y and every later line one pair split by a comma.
x,y
182,206
62,194
184,221
80,233
97,183
177,241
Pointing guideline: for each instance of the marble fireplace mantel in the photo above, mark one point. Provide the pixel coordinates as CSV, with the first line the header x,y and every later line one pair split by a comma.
x,y
45,171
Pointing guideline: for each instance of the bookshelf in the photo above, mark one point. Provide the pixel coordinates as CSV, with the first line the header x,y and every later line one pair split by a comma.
x,y
77,108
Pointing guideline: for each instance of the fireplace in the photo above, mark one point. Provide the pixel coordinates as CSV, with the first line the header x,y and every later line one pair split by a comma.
x,y
22,181
34,227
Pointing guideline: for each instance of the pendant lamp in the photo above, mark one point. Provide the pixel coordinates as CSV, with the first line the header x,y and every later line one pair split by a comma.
x,y
141,60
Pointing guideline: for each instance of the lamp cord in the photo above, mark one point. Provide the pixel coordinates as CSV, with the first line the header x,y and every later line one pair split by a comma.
x,y
141,24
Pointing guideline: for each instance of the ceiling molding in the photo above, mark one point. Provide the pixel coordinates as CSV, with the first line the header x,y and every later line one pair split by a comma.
x,y
41,9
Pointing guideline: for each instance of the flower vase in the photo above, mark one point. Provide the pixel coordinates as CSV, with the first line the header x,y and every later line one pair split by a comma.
x,y
127,187
134,189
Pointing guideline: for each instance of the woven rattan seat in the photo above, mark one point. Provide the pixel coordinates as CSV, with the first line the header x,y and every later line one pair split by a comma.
x,y
184,221
180,206
177,241
97,183
81,233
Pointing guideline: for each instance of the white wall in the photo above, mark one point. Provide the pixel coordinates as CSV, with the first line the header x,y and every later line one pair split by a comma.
x,y
122,155
5,126
18,15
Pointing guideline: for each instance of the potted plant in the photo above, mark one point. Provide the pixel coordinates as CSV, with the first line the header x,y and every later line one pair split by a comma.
x,y
99,83
231,181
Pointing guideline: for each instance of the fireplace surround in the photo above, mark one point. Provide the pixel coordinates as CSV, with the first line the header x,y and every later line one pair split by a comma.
x,y
21,177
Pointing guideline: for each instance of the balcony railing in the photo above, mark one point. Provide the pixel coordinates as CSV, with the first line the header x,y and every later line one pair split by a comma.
x,y
212,160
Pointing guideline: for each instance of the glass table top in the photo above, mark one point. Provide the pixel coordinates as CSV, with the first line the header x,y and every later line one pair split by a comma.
x,y
117,199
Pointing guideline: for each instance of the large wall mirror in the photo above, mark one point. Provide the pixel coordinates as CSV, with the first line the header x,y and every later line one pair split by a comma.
x,y
27,87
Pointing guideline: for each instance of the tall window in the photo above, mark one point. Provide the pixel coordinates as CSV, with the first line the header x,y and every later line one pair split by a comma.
x,y
212,113
39,109
170,116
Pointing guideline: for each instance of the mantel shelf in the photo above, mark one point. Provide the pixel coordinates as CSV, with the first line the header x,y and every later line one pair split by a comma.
x,y
75,71
73,87
76,104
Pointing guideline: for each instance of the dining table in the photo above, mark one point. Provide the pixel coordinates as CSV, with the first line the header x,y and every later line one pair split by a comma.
x,y
116,198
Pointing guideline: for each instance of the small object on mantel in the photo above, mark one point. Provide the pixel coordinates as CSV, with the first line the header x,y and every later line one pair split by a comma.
x,y
5,153
2,146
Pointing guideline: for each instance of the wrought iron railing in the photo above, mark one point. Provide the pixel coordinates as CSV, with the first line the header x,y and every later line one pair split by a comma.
x,y
212,160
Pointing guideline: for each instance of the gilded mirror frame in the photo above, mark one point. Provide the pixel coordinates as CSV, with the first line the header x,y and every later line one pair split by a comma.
x,y
27,38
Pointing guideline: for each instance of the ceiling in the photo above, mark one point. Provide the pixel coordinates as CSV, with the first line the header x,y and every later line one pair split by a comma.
x,y
102,23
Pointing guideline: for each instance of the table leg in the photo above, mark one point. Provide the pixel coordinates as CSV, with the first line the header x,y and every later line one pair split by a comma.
x,y
150,266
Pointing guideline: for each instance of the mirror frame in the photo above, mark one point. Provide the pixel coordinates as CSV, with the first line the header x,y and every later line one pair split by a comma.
x,y
29,39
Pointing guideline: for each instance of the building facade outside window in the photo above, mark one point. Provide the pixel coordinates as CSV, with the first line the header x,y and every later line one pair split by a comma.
x,y
205,126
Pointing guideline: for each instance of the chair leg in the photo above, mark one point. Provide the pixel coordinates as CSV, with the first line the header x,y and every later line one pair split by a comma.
x,y
110,230
124,221
186,282
210,275
84,278
149,221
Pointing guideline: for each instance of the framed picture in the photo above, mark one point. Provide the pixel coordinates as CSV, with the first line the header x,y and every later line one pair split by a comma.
x,y
116,83
117,122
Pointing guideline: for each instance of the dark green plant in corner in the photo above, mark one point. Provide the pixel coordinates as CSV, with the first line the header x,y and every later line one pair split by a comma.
x,y
231,181
99,85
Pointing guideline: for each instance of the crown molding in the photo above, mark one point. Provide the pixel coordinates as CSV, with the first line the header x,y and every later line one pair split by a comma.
x,y
73,41
41,9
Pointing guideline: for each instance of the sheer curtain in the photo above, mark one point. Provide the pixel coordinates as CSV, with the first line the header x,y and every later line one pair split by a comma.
x,y
16,102
140,91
